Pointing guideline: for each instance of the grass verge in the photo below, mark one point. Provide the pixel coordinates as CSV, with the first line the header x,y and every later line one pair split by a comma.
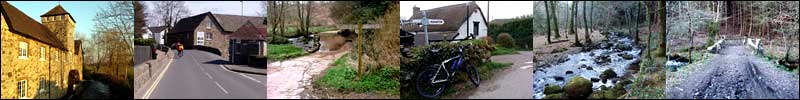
x,y
499,50
342,77
283,51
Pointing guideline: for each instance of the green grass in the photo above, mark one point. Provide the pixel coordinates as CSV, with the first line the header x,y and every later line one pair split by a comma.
x,y
283,51
487,70
342,77
499,50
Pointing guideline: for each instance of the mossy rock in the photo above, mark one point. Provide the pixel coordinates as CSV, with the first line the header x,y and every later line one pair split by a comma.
x,y
608,73
555,96
597,95
578,88
553,89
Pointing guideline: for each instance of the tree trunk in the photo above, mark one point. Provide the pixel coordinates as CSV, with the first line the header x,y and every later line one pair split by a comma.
x,y
572,16
549,25
649,31
660,52
586,33
691,36
553,9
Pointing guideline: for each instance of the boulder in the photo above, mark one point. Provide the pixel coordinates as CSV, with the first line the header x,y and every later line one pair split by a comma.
x,y
608,73
553,89
627,56
578,88
594,79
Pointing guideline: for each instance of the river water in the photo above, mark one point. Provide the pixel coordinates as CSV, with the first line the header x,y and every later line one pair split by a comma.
x,y
589,64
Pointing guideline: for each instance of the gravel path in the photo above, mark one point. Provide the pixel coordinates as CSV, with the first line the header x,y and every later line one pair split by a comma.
x,y
736,74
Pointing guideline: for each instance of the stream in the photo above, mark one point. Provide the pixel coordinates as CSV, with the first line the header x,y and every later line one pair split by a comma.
x,y
589,64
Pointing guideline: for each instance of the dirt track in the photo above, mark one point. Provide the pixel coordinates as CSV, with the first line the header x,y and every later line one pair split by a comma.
x,y
736,73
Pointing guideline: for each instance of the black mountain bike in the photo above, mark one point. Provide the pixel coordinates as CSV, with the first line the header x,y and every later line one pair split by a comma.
x,y
431,83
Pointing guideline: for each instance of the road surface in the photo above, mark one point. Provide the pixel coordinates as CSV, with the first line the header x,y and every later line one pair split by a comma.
x,y
200,75
514,82
736,73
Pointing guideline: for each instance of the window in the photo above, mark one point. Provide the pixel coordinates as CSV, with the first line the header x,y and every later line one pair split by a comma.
x,y
210,36
42,84
23,50
22,89
208,25
41,53
58,17
200,38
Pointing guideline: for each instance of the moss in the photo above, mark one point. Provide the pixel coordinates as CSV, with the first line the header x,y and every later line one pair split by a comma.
x,y
597,95
555,96
553,89
578,88
608,73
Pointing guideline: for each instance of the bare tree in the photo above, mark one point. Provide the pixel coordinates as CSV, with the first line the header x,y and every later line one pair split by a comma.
x,y
114,25
169,12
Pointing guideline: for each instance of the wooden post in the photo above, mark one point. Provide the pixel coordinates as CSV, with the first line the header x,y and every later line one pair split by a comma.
x,y
359,45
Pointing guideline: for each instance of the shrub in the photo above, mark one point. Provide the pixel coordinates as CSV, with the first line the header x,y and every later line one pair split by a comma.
x,y
488,40
505,40
141,41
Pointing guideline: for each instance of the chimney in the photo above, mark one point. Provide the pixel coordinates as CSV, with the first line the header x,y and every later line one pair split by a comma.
x,y
416,9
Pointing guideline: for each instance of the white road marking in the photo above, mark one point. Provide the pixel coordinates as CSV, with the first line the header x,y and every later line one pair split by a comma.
x,y
251,78
526,67
530,62
209,76
220,87
155,84
248,77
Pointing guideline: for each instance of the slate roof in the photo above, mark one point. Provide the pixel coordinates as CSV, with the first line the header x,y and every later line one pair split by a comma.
x,y
157,29
228,23
20,23
58,10
249,31
453,15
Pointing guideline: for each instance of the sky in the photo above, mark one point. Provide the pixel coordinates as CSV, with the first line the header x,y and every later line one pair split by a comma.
x,y
82,11
498,10
251,8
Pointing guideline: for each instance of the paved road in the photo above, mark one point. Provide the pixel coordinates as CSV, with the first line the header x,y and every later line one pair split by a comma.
x,y
511,83
199,75
736,74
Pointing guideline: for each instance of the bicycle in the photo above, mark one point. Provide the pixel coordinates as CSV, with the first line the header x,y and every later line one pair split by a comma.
x,y
431,83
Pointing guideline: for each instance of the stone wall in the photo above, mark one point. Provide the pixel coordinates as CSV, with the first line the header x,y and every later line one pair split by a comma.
x,y
215,37
51,65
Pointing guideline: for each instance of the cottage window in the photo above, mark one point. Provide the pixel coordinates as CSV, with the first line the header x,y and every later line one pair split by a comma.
x,y
208,25
22,88
23,50
41,53
200,38
42,84
58,17
210,36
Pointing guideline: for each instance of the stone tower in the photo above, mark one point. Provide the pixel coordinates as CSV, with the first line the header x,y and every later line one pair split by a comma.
x,y
62,25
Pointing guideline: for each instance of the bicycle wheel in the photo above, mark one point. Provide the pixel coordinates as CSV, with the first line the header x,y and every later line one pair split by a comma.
x,y
473,74
425,86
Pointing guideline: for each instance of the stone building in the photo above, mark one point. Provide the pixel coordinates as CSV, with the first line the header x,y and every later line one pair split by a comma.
x,y
38,57
208,31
